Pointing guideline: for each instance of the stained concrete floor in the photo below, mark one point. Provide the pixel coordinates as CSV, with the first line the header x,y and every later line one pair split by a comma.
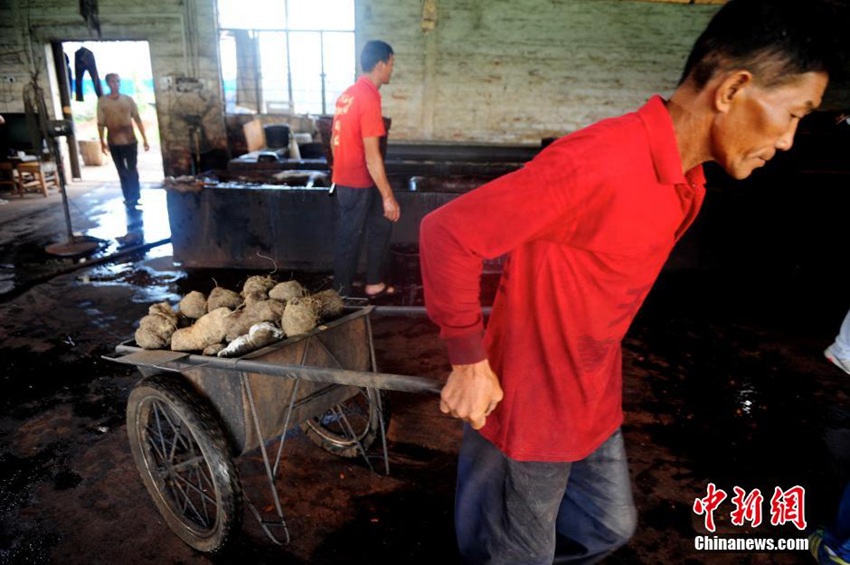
x,y
720,386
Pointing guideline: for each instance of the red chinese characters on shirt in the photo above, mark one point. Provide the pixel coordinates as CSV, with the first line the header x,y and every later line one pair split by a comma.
x,y
747,508
342,107
788,506
709,504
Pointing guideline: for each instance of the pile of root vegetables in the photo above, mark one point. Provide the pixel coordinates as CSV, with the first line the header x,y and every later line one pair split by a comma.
x,y
230,324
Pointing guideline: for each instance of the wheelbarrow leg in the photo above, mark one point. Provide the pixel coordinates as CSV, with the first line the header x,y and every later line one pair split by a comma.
x,y
270,474
378,396
341,415
292,397
350,430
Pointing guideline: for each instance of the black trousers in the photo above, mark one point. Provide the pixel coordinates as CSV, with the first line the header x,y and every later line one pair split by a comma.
x,y
125,161
361,216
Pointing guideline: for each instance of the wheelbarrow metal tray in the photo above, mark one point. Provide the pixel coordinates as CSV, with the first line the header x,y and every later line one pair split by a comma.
x,y
327,365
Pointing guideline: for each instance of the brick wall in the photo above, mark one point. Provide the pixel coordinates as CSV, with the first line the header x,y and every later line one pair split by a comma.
x,y
520,70
184,56
490,71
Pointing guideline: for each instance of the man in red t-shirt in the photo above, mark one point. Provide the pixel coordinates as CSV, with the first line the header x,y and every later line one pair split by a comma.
x,y
363,192
587,226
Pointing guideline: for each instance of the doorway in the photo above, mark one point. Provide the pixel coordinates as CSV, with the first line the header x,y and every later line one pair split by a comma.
x,y
132,62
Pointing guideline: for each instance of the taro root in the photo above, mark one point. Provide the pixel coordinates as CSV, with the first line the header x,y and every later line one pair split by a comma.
x,y
240,322
212,350
208,330
286,291
155,329
255,296
148,338
329,304
300,316
193,305
258,284
265,333
222,297
259,336
163,308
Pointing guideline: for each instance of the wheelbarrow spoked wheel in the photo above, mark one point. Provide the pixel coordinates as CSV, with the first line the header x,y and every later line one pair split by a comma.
x,y
356,420
184,460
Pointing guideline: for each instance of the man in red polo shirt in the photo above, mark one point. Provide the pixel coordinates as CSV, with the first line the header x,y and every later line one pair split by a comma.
x,y
588,225
363,192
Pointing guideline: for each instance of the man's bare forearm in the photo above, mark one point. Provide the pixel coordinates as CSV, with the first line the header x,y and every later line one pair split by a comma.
x,y
379,175
375,165
100,130
141,127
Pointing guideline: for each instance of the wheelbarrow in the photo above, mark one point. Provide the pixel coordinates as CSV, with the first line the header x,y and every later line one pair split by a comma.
x,y
191,416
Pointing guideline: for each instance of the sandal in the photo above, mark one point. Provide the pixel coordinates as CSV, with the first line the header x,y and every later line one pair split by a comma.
x,y
388,290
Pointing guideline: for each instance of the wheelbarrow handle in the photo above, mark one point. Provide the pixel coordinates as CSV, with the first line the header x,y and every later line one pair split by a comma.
x,y
179,362
384,381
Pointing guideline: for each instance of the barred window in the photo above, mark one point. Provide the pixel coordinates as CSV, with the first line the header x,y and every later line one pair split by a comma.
x,y
285,56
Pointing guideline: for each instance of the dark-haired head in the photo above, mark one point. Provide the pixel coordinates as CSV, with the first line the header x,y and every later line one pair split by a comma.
x,y
374,52
775,40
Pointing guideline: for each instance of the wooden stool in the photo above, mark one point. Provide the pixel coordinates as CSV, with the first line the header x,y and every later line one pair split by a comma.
x,y
36,175
8,175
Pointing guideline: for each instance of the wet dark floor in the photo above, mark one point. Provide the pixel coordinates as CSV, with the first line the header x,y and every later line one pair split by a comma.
x,y
756,406
720,386
97,214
